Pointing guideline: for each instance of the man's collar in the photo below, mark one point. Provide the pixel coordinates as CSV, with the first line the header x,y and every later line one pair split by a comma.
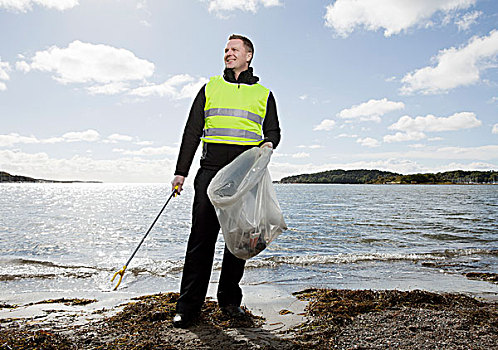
x,y
245,77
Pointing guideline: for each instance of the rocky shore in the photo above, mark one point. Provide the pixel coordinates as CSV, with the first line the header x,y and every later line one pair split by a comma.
x,y
334,319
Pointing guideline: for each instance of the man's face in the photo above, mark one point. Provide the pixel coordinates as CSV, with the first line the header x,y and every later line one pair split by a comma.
x,y
236,55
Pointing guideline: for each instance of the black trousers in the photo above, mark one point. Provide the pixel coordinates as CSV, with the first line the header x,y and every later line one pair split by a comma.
x,y
200,254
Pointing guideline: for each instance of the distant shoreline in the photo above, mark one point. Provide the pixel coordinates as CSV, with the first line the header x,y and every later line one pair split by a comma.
x,y
8,178
394,183
364,176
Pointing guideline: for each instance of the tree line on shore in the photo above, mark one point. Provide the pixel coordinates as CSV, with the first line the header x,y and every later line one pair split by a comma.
x,y
364,176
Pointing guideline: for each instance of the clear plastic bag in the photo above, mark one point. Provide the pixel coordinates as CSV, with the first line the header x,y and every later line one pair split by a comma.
x,y
246,204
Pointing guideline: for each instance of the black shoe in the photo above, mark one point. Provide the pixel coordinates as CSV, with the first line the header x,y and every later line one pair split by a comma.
x,y
182,320
232,311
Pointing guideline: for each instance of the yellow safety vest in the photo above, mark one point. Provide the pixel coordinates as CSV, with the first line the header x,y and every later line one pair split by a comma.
x,y
234,113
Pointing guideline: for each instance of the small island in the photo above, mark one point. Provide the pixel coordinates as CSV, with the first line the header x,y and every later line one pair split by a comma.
x,y
6,177
363,176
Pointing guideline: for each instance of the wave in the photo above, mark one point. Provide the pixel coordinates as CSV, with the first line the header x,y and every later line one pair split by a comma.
x,y
13,277
467,252
307,260
22,261
158,268
19,268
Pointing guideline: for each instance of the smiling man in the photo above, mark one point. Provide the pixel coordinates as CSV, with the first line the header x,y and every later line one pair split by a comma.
x,y
230,114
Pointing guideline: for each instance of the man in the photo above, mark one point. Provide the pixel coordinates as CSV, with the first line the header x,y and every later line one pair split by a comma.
x,y
230,114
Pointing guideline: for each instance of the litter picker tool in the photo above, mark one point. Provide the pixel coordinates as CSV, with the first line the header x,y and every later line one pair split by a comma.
x,y
122,271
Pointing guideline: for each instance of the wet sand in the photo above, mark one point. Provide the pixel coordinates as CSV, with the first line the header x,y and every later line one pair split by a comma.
x,y
309,319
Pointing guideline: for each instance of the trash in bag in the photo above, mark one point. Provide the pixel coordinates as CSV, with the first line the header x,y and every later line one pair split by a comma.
x,y
246,203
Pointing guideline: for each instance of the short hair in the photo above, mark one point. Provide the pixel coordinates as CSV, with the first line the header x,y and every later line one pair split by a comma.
x,y
247,43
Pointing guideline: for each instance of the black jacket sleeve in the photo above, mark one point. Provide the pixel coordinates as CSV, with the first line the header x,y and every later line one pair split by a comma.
x,y
271,127
192,134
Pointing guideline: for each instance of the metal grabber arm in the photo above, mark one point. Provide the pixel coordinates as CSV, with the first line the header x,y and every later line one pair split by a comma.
x,y
122,271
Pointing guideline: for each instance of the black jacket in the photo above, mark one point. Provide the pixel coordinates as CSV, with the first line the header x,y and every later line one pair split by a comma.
x,y
216,155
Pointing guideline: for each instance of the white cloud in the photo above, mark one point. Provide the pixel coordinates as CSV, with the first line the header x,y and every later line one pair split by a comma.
x,y
495,129
14,138
310,146
404,136
144,143
4,74
417,145
347,135
191,89
467,20
371,110
141,4
90,63
177,87
88,136
430,123
455,67
27,5
108,71
413,128
73,136
41,165
303,97
23,66
326,125
219,6
482,152
4,69
394,16
149,151
119,138
469,167
301,155
368,142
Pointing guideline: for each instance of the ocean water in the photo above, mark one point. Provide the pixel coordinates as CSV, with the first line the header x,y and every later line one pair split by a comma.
x,y
69,239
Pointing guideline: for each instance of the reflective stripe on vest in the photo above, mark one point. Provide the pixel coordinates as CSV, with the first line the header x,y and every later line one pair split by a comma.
x,y
234,113
231,133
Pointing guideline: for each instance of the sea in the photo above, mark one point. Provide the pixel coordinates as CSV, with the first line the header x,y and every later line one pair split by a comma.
x,y
67,240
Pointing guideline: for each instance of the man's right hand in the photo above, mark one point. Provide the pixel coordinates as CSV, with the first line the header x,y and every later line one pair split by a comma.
x,y
178,181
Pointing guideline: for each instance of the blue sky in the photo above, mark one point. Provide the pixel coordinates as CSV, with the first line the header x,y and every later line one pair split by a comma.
x,y
100,89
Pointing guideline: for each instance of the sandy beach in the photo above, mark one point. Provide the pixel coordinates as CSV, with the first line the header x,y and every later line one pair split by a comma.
x,y
308,319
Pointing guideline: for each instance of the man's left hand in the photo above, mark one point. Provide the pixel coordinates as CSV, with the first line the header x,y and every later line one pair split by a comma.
x,y
267,144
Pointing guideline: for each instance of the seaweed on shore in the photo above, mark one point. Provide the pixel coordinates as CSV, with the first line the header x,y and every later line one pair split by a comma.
x,y
330,310
337,318
483,276
13,338
142,324
162,307
66,301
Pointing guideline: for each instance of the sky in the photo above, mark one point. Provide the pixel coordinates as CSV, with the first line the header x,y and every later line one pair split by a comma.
x,y
100,89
